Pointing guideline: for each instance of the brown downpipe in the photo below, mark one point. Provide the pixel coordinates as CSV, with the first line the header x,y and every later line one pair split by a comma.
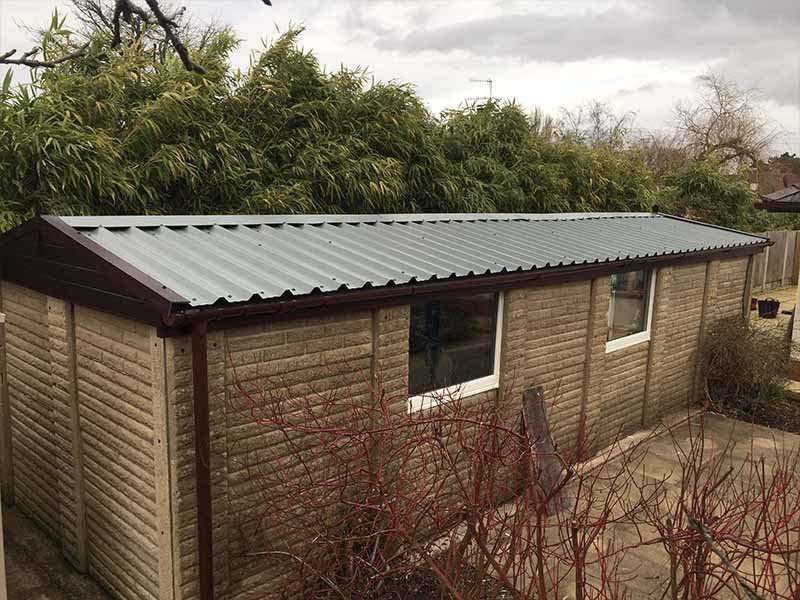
x,y
202,459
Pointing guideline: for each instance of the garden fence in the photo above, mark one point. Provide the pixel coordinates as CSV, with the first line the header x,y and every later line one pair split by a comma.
x,y
778,265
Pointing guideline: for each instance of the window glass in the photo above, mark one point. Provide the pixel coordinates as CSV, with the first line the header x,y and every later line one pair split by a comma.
x,y
451,341
627,312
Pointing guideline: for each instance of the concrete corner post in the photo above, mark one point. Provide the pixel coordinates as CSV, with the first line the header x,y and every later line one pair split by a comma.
x,y
6,463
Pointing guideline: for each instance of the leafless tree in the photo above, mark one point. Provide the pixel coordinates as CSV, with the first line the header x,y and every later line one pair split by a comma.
x,y
596,124
543,125
662,151
725,123
115,17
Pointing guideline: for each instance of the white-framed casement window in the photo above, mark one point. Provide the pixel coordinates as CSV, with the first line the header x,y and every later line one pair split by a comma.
x,y
630,309
453,348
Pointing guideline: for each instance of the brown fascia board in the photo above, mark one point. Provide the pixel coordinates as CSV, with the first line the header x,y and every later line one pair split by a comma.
x,y
47,255
368,298
777,206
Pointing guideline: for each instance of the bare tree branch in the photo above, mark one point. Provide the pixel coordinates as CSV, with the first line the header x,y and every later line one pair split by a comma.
x,y
26,60
126,11
169,25
596,124
725,123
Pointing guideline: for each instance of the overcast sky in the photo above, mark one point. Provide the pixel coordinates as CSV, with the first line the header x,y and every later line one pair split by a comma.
x,y
639,55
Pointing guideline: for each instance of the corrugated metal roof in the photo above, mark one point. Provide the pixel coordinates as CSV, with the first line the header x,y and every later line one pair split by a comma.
x,y
787,194
213,259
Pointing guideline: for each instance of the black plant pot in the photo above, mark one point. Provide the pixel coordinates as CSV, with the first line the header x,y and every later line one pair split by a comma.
x,y
768,308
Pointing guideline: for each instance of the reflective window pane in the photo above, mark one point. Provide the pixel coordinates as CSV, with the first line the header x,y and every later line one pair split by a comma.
x,y
627,311
451,341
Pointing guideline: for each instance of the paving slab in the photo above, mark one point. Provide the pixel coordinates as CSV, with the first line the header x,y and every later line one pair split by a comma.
x,y
656,459
35,567
787,296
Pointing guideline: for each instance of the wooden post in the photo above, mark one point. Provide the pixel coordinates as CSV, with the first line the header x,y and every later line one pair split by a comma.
x,y
766,268
785,258
6,464
796,262
542,447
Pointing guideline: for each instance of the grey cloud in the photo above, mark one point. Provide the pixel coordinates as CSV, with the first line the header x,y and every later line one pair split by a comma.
x,y
642,89
757,40
772,67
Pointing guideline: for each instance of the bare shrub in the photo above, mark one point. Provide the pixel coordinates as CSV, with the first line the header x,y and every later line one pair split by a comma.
x,y
728,531
745,365
367,500
360,499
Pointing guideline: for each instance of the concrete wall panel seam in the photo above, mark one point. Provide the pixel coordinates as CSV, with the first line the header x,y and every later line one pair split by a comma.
x,y
77,445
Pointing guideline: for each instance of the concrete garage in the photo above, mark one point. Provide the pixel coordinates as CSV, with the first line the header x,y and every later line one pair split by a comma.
x,y
123,334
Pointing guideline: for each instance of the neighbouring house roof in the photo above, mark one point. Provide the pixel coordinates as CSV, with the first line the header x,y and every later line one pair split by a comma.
x,y
168,265
783,200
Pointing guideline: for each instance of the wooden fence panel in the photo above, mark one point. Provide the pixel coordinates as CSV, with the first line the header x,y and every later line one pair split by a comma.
x,y
778,265
776,256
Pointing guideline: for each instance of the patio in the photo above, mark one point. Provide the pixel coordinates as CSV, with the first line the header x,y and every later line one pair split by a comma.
x,y
644,569
730,441
36,569
787,296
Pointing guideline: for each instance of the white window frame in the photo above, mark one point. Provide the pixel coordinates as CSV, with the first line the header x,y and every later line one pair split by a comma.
x,y
468,388
641,336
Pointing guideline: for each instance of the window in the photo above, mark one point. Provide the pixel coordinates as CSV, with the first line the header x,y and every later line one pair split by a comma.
x,y
630,308
454,347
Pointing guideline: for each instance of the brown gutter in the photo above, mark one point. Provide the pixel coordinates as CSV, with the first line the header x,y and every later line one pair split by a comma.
x,y
202,459
175,323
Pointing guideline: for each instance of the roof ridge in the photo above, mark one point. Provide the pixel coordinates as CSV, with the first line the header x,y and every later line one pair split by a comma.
x,y
115,221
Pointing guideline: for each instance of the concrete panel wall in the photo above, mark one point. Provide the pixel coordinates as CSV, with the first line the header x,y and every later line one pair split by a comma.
x,y
114,384
556,326
318,360
291,359
32,406
131,392
69,458
87,423
624,379
677,334
182,458
553,336
732,279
